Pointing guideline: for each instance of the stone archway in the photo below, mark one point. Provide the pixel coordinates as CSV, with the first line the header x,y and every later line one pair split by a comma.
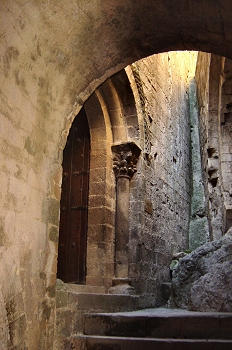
x,y
104,38
54,56
112,119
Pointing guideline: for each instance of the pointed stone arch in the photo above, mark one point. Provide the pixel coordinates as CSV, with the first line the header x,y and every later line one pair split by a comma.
x,y
112,118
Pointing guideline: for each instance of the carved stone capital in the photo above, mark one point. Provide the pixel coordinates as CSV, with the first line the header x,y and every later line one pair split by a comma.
x,y
125,157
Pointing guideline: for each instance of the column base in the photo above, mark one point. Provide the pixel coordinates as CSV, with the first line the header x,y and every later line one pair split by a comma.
x,y
122,286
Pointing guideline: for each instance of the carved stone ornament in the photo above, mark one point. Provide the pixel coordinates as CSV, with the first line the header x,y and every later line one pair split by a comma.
x,y
125,159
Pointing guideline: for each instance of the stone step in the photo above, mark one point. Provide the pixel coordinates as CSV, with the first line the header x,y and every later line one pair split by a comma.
x,y
160,323
122,343
79,288
103,302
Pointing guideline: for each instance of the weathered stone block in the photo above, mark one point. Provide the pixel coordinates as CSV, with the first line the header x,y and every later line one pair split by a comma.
x,y
15,307
64,322
198,232
203,280
17,330
61,298
51,211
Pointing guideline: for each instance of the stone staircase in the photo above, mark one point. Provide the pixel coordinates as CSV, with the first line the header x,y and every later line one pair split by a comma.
x,y
157,329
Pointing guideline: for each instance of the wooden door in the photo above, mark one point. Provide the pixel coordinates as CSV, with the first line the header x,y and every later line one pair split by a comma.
x,y
74,203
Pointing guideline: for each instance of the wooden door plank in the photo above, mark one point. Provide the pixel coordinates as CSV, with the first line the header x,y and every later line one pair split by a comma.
x,y
74,203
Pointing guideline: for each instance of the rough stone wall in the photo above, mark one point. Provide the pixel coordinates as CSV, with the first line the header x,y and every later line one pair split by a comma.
x,y
32,119
160,197
199,228
29,215
225,142
209,79
202,82
201,281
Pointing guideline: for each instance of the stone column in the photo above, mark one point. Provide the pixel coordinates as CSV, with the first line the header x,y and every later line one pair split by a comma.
x,y
125,159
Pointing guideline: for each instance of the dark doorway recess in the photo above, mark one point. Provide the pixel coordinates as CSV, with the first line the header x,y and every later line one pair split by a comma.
x,y
74,203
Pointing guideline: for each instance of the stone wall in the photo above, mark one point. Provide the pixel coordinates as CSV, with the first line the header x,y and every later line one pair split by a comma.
x,y
214,143
161,189
225,126
202,281
199,227
34,121
30,182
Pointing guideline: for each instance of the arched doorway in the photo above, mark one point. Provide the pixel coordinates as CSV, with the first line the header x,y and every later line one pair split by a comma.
x,y
74,203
